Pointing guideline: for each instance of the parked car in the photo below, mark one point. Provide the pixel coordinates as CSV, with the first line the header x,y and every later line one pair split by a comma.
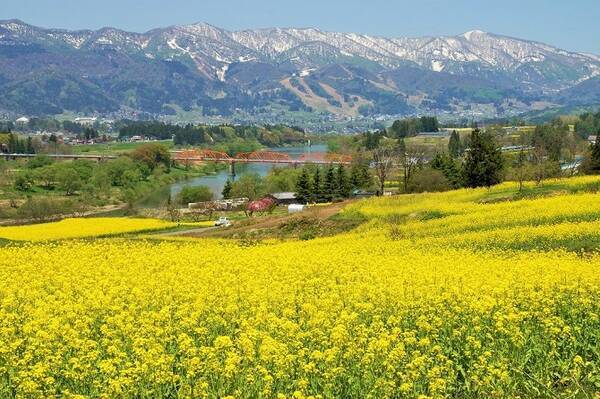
x,y
223,222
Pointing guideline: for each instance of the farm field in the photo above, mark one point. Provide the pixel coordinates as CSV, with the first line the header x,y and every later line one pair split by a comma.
x,y
87,228
469,293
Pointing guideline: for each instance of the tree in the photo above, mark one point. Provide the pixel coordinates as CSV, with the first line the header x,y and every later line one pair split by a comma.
x,y
371,140
172,210
152,155
39,161
54,140
90,133
329,184
342,182
317,186
410,159
303,190
521,171
454,146
12,143
551,137
594,166
46,175
29,148
360,178
250,186
226,193
383,159
282,179
429,180
68,180
191,194
23,181
483,163
412,126
101,182
450,167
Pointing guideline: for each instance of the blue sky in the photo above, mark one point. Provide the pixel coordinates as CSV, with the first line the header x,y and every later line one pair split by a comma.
x,y
569,24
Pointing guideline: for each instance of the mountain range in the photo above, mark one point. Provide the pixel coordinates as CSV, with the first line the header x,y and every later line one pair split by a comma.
x,y
276,74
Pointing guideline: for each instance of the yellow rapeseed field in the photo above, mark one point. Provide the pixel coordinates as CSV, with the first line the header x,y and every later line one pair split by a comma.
x,y
80,228
461,294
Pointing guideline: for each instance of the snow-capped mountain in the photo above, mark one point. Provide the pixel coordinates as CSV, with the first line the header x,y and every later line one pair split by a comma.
x,y
348,74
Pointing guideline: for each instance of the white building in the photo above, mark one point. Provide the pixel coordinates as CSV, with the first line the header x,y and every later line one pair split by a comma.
x,y
22,121
86,121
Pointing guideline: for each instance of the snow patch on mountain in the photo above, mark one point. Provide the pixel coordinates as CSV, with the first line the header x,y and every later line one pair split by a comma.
x,y
437,66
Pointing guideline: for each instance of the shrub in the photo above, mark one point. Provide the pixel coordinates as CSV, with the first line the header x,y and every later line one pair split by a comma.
x,y
429,180
191,194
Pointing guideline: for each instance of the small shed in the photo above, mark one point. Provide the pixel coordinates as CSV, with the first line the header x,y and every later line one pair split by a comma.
x,y
296,208
285,198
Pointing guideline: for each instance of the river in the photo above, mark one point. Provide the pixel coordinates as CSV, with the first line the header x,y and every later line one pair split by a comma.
x,y
217,181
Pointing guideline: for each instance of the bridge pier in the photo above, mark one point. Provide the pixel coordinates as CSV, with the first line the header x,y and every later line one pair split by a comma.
x,y
232,169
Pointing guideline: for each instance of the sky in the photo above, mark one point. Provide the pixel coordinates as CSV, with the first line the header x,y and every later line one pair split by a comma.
x,y
568,24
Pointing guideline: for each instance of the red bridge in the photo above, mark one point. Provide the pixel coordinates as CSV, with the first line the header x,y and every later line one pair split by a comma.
x,y
192,156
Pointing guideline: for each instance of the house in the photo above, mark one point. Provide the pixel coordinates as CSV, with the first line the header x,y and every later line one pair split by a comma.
x,y
592,139
285,198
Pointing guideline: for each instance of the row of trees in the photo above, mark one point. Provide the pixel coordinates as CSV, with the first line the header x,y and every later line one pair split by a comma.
x,y
51,125
125,172
16,145
324,186
201,134
311,183
481,164
412,126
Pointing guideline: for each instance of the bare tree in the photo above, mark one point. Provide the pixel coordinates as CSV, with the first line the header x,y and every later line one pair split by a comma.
x,y
383,160
569,153
410,158
521,169
539,161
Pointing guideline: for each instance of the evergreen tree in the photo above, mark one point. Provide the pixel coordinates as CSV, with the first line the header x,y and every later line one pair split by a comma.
x,y
449,167
12,143
54,140
30,149
355,182
595,156
343,184
226,193
484,163
317,186
366,179
330,184
454,144
303,189
20,146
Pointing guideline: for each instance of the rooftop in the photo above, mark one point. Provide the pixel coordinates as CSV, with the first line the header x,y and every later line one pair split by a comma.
x,y
284,196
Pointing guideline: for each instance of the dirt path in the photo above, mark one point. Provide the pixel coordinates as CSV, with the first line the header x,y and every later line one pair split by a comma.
x,y
182,232
267,222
